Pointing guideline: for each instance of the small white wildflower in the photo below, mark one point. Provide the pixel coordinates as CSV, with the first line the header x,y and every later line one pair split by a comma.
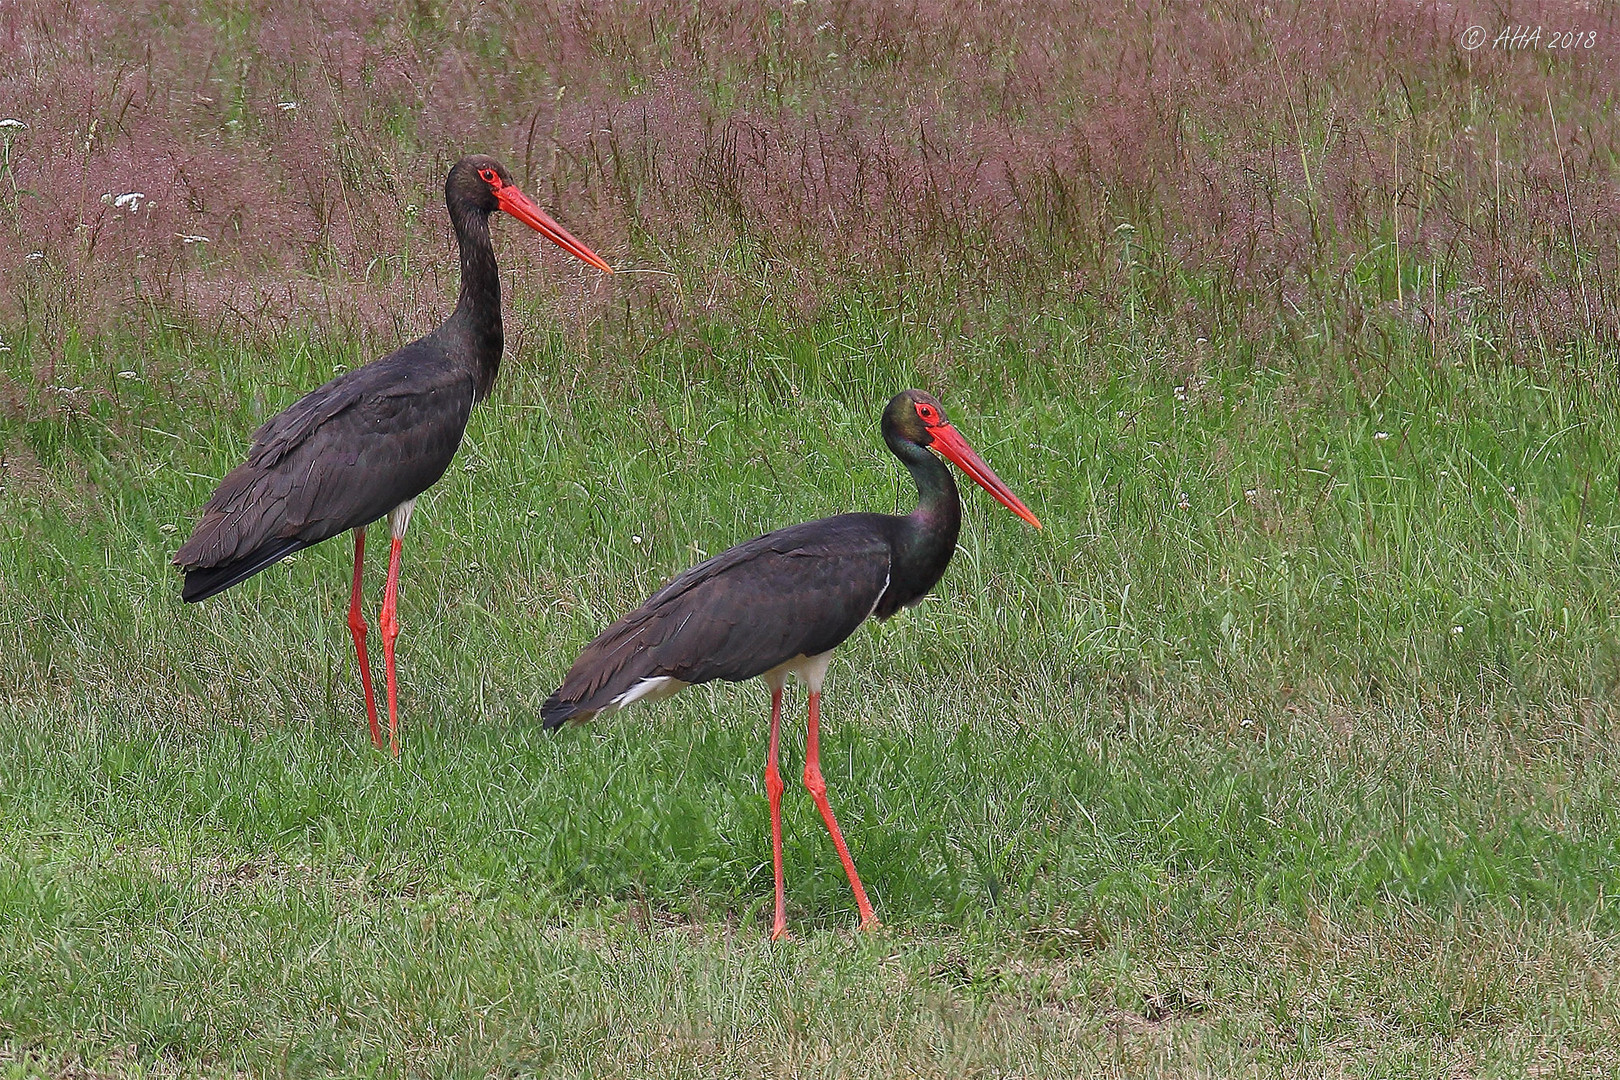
x,y
1181,393
287,106
1182,502
1456,629
130,200
635,539
35,255
1511,489
1380,436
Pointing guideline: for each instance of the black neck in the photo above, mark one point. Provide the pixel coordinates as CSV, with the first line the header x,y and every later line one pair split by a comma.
x,y
927,536
476,324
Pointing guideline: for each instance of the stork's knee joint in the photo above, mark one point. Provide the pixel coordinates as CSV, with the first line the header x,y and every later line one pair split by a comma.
x,y
814,783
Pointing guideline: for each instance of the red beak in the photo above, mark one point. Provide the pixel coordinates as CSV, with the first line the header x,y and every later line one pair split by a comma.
x,y
526,210
956,448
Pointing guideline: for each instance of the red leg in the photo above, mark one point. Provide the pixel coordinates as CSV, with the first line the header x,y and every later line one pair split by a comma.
x,y
357,630
773,788
818,792
390,630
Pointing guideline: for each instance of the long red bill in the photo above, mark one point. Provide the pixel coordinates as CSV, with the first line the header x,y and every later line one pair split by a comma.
x,y
526,210
956,448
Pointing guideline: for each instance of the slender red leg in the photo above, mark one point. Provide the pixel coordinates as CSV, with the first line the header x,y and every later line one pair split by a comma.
x,y
357,630
390,630
773,788
818,792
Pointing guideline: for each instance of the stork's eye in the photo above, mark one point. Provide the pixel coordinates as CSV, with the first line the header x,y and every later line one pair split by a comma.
x,y
927,413
488,176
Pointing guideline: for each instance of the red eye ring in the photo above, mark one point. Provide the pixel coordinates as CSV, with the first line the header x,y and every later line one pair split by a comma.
x,y
488,176
929,414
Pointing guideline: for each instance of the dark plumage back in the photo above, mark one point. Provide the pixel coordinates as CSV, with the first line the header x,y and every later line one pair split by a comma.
x,y
797,592
341,457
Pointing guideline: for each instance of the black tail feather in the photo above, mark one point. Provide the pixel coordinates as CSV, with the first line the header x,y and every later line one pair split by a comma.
x,y
556,712
207,581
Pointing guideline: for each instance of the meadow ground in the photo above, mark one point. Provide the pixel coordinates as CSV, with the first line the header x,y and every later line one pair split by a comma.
x,y
1284,746
1284,750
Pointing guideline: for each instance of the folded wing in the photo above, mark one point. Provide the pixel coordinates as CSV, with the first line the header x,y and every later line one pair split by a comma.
x,y
797,592
341,457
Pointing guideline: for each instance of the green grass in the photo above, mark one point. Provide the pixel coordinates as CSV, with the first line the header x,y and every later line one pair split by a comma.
x,y
1284,749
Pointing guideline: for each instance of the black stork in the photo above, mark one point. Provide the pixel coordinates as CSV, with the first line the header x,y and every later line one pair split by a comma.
x,y
778,605
370,441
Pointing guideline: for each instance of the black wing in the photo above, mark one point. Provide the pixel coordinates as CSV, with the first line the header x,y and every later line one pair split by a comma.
x,y
341,457
797,592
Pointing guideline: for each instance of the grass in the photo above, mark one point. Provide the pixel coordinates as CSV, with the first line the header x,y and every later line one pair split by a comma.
x,y
1282,750
1285,749
1034,157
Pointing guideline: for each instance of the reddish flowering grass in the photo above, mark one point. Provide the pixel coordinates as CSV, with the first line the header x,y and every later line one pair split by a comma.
x,y
1276,174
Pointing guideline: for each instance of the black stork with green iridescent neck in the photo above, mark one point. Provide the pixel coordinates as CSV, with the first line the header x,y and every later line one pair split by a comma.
x,y
370,441
778,606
